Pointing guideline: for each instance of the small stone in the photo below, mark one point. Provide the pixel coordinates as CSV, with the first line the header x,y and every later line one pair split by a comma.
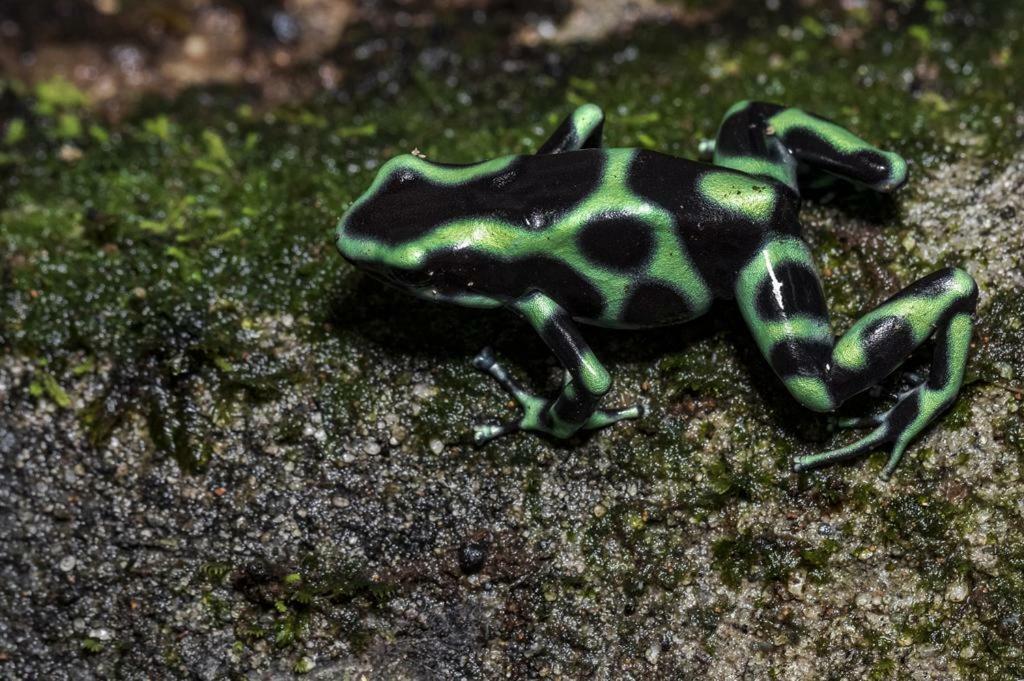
x,y
908,243
472,556
550,596
372,448
69,153
398,434
653,651
795,586
957,592
599,511
436,446
339,502
67,563
967,652
423,391
101,634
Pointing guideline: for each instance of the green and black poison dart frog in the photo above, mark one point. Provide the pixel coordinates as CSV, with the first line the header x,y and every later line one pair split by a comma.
x,y
628,238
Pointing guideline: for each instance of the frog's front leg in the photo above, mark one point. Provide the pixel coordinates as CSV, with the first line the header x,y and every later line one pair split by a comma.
x,y
580,130
586,380
780,297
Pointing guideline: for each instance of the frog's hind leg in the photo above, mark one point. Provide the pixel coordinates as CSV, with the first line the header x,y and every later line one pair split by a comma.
x,y
586,381
780,297
769,139
580,130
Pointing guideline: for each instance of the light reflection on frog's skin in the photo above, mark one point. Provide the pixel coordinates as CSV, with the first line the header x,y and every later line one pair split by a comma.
x,y
628,238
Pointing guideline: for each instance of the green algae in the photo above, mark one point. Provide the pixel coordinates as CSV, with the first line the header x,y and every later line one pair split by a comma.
x,y
282,600
767,557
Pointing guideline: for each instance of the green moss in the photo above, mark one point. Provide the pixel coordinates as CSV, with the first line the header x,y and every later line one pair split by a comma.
x,y
282,599
1011,432
766,557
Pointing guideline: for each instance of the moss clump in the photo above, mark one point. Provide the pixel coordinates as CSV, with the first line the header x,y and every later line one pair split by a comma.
x,y
767,557
924,528
280,602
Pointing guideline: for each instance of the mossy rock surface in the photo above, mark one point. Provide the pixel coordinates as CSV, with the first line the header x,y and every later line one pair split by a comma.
x,y
227,453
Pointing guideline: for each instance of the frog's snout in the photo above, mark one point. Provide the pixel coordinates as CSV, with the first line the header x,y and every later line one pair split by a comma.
x,y
353,249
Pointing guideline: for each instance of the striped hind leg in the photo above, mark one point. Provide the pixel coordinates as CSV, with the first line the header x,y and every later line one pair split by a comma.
x,y
780,298
771,140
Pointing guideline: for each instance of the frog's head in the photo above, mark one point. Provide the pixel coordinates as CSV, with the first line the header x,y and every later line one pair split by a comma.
x,y
374,233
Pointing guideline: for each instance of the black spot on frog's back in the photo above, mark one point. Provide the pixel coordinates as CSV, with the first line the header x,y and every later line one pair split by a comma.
x,y
618,243
530,193
653,304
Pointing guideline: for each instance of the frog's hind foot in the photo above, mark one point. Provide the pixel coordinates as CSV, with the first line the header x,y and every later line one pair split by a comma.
x,y
915,410
857,422
912,379
896,427
876,439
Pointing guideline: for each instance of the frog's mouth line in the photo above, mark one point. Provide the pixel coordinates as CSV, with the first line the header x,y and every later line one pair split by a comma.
x,y
389,276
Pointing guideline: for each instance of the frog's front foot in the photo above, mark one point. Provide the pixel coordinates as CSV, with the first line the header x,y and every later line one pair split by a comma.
x,y
538,415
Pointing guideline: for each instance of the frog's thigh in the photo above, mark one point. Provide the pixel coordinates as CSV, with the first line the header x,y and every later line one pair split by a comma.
x,y
580,130
587,380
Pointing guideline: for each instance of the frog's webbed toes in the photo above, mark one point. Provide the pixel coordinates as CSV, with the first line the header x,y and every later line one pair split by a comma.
x,y
605,417
857,422
532,405
484,359
914,411
877,438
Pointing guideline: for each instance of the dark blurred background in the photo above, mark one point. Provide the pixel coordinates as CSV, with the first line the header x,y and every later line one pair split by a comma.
x,y
116,51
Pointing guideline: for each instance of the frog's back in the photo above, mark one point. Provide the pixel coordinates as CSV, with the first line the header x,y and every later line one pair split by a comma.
x,y
619,237
418,196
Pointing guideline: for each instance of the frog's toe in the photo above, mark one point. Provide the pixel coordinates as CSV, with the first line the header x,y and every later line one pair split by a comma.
x,y
487,363
484,359
603,417
877,438
484,433
858,422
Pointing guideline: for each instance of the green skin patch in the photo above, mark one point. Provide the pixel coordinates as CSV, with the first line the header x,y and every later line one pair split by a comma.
x,y
626,237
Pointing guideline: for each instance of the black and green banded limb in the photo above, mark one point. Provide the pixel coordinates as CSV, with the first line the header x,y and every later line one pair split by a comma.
x,y
630,238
